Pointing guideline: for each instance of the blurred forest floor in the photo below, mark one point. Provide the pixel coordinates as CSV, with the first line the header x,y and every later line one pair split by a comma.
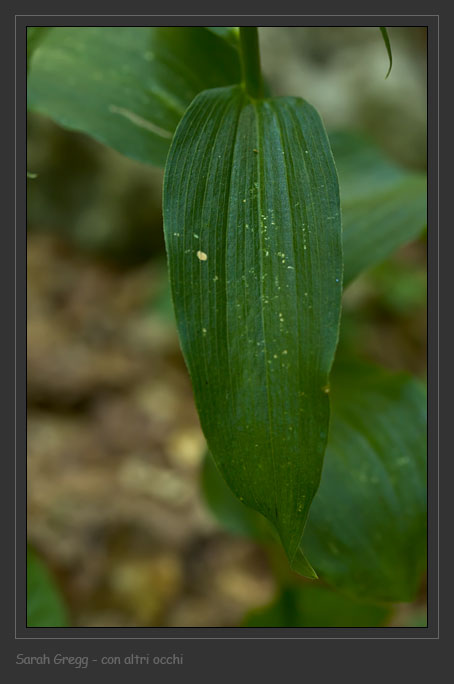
x,y
114,443
115,447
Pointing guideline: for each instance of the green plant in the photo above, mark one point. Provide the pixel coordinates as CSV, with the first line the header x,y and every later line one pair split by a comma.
x,y
45,605
258,259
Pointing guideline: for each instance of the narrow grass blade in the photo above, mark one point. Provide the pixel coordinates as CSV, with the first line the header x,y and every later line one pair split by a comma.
x,y
384,33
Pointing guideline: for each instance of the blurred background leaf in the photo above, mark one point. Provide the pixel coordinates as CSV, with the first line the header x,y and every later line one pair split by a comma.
x,y
367,527
128,86
314,605
35,35
383,205
230,33
45,605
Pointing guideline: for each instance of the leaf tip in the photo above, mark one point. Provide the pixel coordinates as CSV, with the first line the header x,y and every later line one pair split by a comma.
x,y
301,565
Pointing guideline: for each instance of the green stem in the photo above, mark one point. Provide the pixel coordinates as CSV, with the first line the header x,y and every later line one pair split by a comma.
x,y
250,61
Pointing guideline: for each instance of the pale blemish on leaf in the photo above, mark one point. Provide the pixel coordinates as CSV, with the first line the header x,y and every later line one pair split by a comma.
x,y
202,256
140,121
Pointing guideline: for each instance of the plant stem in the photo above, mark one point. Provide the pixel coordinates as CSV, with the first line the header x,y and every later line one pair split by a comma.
x,y
250,61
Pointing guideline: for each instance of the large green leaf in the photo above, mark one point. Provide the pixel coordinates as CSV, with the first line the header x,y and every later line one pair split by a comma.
x,y
383,205
312,605
252,228
45,607
366,532
128,86
367,527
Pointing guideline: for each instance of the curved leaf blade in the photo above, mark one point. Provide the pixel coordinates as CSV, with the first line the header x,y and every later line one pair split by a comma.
x,y
384,33
383,205
366,531
252,228
128,87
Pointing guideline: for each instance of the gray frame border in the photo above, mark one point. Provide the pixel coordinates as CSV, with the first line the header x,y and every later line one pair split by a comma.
x,y
432,632
248,633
